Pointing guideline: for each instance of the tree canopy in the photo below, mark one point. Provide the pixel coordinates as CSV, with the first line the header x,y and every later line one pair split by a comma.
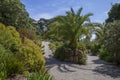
x,y
13,12
114,13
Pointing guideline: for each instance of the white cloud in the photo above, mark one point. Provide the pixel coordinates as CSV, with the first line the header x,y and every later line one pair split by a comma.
x,y
43,15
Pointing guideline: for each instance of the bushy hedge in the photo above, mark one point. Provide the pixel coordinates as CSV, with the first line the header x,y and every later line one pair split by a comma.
x,y
31,55
9,38
104,54
17,56
9,63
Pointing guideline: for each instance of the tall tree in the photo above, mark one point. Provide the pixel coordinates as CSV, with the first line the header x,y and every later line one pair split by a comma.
x,y
12,12
114,13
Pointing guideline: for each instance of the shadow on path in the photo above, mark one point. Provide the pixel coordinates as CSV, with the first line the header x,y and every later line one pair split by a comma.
x,y
98,67
61,66
107,69
94,65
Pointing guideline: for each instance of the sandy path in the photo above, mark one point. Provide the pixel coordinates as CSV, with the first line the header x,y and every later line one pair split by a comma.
x,y
95,69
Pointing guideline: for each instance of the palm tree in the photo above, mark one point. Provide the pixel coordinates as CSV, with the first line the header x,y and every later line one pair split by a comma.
x,y
71,26
89,27
99,30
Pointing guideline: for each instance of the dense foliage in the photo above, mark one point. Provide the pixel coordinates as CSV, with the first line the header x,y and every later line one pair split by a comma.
x,y
9,63
114,13
13,13
112,41
17,56
21,50
9,44
31,55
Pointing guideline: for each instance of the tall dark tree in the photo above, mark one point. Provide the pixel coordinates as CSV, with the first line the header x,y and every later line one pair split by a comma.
x,y
12,12
114,13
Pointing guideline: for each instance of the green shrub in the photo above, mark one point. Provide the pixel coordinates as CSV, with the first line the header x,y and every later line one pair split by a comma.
x,y
59,53
83,57
40,76
65,53
54,45
95,48
104,54
82,46
9,45
17,57
31,55
9,64
9,38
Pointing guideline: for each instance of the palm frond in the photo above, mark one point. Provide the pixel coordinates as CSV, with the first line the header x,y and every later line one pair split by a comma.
x,y
79,12
72,11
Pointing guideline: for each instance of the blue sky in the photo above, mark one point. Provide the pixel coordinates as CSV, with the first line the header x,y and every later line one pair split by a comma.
x,y
51,8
